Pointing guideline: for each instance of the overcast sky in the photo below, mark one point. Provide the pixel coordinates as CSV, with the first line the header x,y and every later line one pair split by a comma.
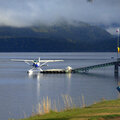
x,y
29,12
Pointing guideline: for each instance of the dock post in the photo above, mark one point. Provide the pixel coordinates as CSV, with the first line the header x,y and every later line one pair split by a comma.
x,y
116,70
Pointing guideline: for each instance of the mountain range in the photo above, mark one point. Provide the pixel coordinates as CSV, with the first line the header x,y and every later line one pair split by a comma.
x,y
60,37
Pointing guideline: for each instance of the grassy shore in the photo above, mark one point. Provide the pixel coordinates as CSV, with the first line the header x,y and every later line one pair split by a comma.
x,y
105,110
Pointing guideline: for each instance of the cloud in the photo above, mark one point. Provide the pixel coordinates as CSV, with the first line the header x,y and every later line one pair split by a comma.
x,y
112,30
30,12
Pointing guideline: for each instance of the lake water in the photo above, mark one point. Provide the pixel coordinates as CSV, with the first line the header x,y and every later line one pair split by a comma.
x,y
20,91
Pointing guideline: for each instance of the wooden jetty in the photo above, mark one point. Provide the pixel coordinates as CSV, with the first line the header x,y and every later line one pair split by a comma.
x,y
116,65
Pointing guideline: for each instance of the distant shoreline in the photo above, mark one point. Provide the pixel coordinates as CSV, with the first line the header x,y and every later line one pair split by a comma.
x,y
57,52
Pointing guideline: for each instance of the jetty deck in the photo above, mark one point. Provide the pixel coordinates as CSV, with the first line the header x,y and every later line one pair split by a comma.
x,y
54,71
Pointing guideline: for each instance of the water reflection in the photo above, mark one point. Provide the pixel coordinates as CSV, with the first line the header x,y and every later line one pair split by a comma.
x,y
37,76
97,75
38,88
69,75
46,82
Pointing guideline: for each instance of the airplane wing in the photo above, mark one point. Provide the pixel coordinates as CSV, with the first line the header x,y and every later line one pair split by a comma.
x,y
51,61
20,60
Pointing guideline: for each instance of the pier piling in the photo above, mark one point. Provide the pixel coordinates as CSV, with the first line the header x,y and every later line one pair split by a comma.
x,y
116,69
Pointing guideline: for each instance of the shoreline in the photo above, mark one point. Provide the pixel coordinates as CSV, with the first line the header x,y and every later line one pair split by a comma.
x,y
104,110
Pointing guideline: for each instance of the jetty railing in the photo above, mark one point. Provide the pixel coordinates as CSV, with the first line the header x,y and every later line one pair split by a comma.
x,y
116,65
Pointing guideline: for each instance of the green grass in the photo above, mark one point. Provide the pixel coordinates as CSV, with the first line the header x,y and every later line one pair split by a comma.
x,y
104,110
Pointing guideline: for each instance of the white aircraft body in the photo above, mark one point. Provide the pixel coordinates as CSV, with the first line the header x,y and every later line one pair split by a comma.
x,y
36,64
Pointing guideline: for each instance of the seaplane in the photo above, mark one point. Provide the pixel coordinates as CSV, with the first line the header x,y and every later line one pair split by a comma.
x,y
36,64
